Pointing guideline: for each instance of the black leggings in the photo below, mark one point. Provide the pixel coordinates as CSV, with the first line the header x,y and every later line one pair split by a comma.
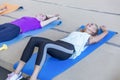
x,y
8,31
58,49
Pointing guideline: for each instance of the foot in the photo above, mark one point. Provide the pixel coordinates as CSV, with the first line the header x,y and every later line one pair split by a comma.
x,y
13,76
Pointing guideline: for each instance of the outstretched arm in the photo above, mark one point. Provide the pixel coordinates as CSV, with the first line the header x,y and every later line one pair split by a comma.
x,y
46,22
95,39
55,15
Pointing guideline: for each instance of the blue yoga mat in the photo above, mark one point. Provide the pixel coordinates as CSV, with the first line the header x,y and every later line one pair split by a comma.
x,y
54,67
31,33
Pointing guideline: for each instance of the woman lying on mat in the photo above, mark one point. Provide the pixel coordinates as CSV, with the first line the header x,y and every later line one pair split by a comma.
x,y
68,47
10,30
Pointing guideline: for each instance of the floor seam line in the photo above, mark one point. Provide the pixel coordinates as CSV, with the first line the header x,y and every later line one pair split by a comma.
x,y
91,10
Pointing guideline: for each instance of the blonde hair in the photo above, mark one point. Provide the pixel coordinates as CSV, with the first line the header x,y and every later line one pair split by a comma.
x,y
83,30
96,29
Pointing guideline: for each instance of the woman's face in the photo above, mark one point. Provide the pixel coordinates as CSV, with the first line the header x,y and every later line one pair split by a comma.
x,y
42,17
91,28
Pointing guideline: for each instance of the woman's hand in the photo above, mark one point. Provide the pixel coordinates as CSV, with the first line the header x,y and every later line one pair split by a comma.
x,y
104,29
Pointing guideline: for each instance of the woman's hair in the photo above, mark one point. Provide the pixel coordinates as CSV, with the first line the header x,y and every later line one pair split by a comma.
x,y
46,18
97,29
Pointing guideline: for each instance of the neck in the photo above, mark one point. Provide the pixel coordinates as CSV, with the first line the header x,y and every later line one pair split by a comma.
x,y
85,30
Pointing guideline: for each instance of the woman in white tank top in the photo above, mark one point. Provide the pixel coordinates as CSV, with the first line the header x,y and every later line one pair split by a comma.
x,y
68,47
79,39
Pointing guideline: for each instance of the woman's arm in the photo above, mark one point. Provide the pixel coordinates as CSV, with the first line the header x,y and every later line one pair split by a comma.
x,y
46,22
95,39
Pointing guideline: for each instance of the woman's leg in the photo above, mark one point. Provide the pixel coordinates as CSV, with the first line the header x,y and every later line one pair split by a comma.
x,y
62,52
35,73
8,32
28,51
41,57
19,68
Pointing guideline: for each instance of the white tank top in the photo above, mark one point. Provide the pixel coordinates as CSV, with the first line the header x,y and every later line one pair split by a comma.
x,y
78,40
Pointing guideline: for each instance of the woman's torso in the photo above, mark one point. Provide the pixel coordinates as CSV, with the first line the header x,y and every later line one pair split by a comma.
x,y
27,24
78,40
